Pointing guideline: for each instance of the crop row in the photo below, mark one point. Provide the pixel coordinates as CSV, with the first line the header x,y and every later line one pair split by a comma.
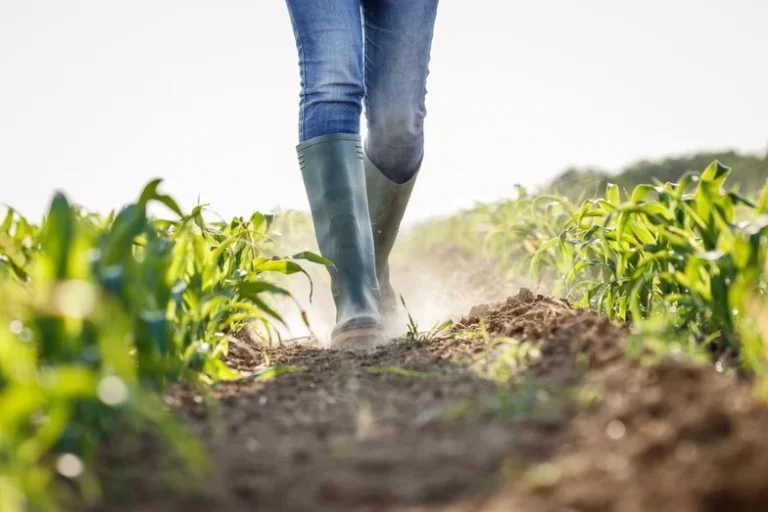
x,y
99,314
687,255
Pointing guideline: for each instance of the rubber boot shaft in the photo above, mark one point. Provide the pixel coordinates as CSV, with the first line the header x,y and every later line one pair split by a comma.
x,y
333,174
387,202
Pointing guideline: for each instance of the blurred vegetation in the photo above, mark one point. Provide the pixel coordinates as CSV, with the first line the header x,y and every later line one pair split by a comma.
x,y
99,314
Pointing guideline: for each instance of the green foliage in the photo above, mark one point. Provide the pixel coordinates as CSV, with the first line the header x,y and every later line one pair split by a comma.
x,y
99,314
689,254
665,248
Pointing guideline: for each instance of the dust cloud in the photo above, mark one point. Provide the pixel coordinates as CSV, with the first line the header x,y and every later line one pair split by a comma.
x,y
442,282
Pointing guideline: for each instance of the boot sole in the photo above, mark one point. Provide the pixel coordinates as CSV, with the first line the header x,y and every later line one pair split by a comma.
x,y
362,339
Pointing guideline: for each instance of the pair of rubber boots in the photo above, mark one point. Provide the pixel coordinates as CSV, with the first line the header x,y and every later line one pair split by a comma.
x,y
356,211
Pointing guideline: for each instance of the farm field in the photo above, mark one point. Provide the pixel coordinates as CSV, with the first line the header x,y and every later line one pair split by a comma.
x,y
562,354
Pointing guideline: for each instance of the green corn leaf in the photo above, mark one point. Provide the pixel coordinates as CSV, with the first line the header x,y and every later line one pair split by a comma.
x,y
640,192
57,238
250,289
5,227
716,173
286,267
150,193
613,194
313,258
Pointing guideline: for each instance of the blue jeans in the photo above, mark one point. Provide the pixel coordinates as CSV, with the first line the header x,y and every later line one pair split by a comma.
x,y
366,52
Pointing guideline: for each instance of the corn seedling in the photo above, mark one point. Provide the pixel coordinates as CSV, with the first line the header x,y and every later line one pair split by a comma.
x,y
98,314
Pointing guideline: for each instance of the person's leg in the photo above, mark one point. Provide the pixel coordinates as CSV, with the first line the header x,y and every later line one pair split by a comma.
x,y
398,41
329,42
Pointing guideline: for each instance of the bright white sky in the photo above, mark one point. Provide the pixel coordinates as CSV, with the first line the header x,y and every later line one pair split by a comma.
x,y
99,96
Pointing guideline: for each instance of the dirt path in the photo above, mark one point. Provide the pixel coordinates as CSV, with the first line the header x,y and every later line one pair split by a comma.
x,y
423,426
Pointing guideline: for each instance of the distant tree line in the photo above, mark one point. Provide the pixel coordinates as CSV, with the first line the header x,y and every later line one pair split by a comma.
x,y
750,173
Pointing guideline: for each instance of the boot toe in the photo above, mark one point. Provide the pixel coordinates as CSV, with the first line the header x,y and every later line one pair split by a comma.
x,y
359,335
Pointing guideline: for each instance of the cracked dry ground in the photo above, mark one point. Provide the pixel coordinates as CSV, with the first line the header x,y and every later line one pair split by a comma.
x,y
415,426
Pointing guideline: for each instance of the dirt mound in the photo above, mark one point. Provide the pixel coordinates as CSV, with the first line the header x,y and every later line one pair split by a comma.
x,y
669,437
574,425
672,437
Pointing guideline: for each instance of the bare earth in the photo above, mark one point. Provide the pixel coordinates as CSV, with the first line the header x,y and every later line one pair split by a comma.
x,y
418,425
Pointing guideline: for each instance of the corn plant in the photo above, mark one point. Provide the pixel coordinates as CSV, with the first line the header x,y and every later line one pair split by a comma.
x,y
99,313
520,227
671,248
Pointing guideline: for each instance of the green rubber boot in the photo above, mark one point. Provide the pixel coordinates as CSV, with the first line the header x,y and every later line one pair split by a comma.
x,y
387,202
332,169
